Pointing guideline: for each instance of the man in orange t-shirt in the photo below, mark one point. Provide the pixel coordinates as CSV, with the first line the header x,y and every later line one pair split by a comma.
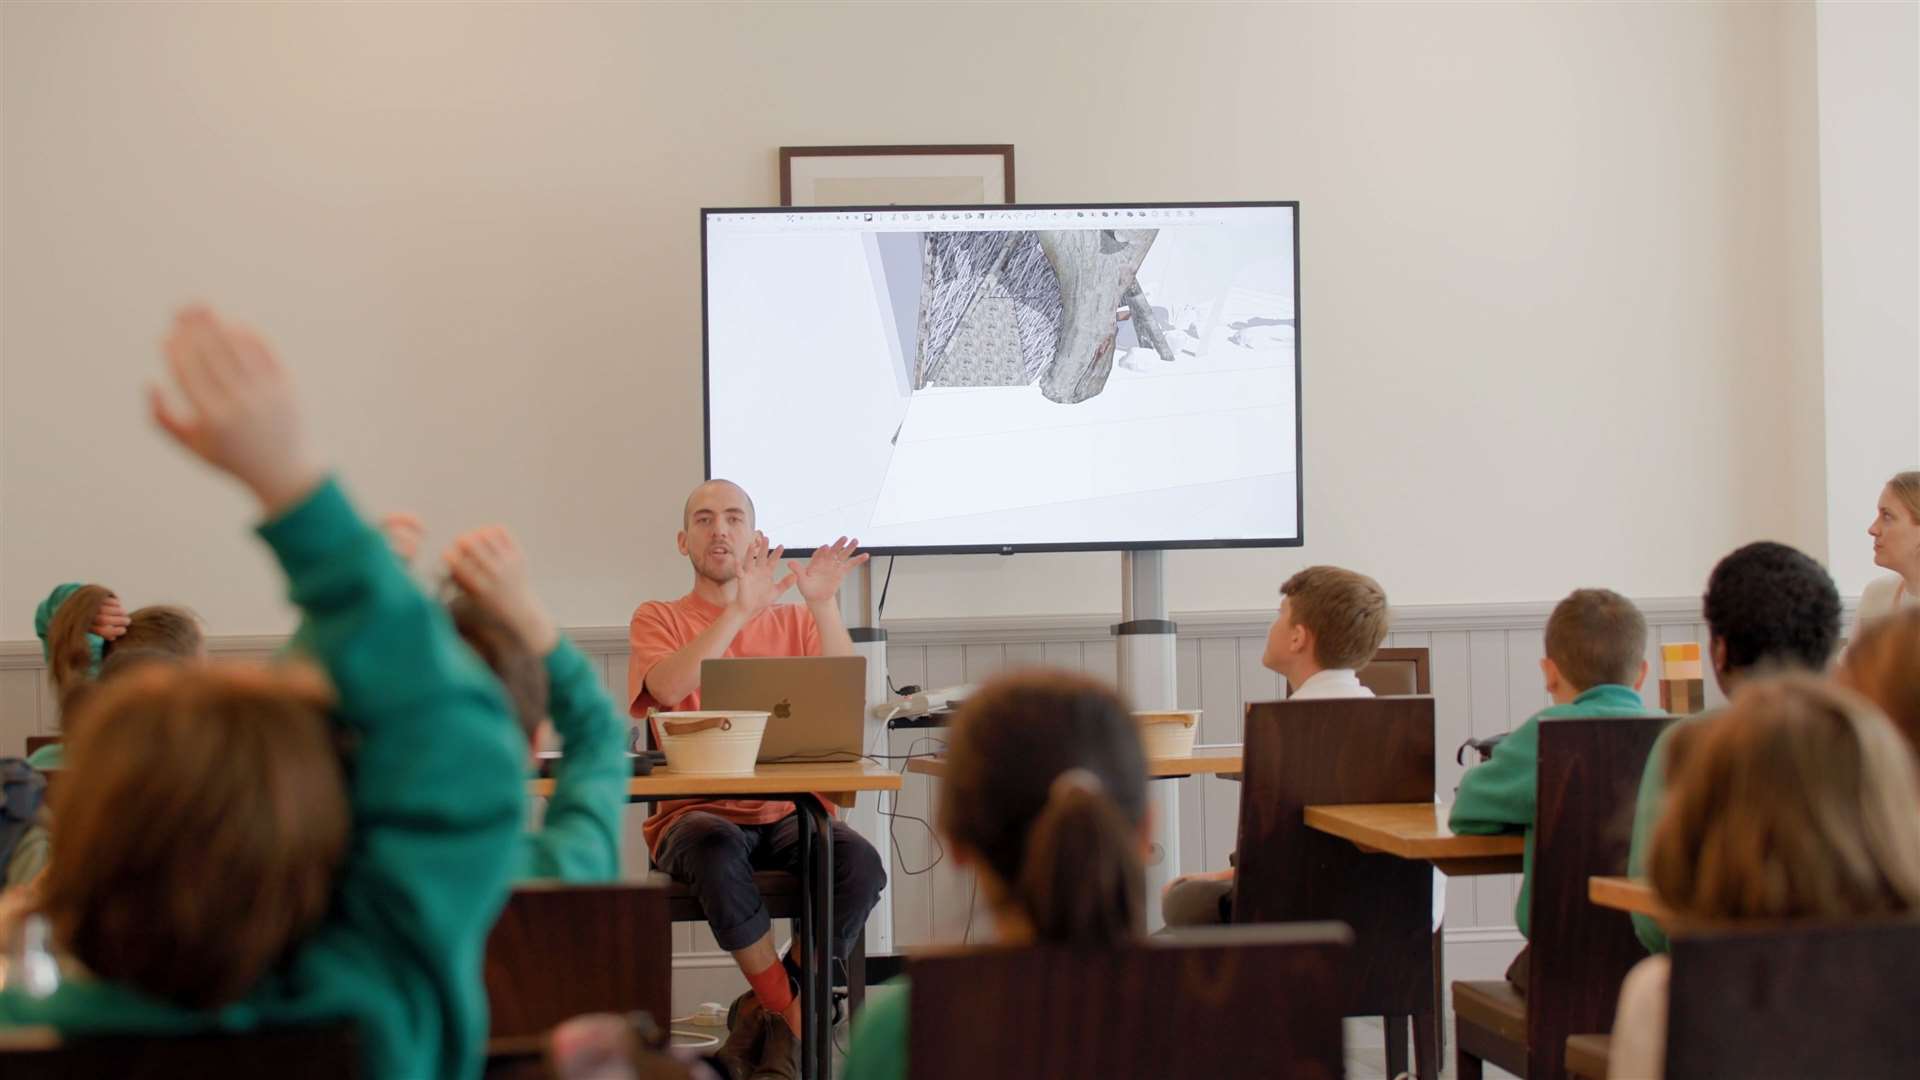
x,y
714,847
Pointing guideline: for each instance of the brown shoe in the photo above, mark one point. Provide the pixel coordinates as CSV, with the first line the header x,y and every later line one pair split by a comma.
x,y
780,1053
745,1026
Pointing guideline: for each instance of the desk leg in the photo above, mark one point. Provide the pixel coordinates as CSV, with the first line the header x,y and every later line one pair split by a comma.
x,y
817,1040
809,949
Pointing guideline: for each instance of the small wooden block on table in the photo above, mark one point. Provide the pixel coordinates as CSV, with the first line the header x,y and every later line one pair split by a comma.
x,y
1417,831
1204,761
841,782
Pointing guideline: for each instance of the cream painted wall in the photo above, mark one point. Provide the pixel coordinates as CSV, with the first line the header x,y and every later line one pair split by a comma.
x,y
1555,322
1869,75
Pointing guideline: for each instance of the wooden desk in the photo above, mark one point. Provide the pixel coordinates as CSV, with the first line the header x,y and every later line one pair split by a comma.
x,y
841,782
1632,895
1204,761
1418,831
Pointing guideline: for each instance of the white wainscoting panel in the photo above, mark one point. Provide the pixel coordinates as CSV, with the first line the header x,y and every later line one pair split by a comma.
x,y
1485,671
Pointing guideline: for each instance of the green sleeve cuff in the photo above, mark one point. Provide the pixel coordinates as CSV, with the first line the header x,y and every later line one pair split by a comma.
x,y
308,535
566,663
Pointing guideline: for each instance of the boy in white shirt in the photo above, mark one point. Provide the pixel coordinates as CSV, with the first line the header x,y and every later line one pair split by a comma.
x,y
1331,623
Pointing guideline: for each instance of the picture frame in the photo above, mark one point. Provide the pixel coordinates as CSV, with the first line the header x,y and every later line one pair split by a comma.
x,y
921,175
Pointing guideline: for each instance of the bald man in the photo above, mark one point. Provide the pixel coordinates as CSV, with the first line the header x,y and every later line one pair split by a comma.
x,y
714,847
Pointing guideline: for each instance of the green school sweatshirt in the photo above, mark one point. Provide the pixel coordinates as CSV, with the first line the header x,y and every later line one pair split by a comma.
x,y
1646,812
435,787
579,838
879,1047
1501,794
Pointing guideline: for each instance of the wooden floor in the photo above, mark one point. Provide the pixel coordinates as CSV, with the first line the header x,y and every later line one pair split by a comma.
x,y
1366,1053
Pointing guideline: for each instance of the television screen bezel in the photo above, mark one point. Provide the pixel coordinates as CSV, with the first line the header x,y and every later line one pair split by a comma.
x,y
1299,444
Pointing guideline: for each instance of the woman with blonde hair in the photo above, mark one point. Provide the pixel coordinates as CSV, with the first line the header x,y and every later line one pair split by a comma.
x,y
1799,801
1896,547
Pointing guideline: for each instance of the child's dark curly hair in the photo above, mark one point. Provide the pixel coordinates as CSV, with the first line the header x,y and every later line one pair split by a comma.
x,y
1770,604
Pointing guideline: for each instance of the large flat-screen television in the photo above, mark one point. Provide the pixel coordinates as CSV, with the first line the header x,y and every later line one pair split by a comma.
x,y
949,379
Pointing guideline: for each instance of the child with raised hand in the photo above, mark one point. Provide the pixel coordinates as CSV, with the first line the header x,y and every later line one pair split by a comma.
x,y
237,873
82,628
1046,799
546,677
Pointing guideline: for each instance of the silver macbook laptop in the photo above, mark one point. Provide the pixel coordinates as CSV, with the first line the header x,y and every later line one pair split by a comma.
x,y
818,703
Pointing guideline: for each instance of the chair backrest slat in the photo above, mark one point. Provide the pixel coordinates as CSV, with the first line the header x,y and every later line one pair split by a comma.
x,y
1398,672
1816,1001
330,1052
1230,1001
560,950
1589,774
1306,753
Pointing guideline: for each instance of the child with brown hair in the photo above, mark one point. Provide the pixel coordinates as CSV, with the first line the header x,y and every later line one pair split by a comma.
x,y
1046,798
231,870
83,627
1799,801
1331,623
1883,665
1595,663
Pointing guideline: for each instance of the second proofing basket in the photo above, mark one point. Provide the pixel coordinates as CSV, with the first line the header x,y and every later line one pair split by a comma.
x,y
1168,733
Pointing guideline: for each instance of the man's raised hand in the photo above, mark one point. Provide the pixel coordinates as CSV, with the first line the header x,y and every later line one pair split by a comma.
x,y
755,589
820,578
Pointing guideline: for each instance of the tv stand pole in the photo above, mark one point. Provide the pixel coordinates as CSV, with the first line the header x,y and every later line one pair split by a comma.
x,y
870,641
1148,677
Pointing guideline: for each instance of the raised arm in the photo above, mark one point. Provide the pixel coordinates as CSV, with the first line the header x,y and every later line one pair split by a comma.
x,y
579,837
435,779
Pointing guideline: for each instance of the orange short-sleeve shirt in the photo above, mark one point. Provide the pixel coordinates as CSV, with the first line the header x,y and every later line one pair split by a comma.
x,y
661,628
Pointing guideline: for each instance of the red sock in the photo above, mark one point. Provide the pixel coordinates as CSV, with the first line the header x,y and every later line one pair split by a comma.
x,y
773,988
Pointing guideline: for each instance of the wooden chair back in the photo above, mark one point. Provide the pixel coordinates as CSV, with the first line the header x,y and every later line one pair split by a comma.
x,y
1223,1001
1589,774
1818,1001
329,1052
560,950
1398,673
1304,753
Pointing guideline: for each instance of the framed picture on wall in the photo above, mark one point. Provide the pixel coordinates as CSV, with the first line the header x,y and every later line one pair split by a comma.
x,y
895,175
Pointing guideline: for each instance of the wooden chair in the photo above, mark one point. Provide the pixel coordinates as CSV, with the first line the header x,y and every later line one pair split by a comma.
x,y
1202,1004
1398,673
559,950
1818,1001
1380,750
1579,952
331,1052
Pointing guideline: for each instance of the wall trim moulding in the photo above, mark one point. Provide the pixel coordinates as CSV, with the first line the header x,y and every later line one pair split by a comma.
x,y
1015,629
